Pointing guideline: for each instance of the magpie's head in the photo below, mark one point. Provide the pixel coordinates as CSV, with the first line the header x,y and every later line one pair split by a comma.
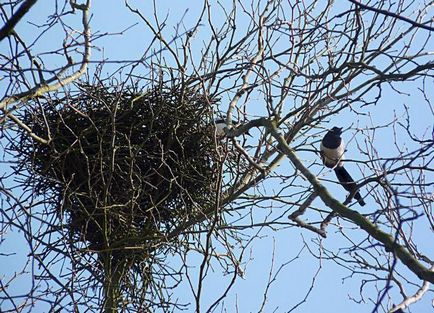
x,y
220,120
336,130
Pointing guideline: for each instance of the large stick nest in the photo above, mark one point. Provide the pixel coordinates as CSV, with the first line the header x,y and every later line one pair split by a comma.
x,y
124,164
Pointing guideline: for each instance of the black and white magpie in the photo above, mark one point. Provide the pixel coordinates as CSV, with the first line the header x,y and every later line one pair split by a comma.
x,y
220,126
332,154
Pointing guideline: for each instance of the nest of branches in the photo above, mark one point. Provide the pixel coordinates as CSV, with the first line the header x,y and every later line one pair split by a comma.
x,y
123,165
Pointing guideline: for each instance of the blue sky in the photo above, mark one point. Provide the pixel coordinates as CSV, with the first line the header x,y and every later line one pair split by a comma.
x,y
331,293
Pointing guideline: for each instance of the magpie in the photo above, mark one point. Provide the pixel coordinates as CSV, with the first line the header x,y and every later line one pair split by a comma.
x,y
332,154
220,125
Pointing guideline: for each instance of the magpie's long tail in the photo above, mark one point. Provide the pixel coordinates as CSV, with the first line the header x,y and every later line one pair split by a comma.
x,y
348,183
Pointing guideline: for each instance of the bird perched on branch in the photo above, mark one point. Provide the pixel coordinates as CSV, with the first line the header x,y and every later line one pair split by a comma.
x,y
220,125
332,154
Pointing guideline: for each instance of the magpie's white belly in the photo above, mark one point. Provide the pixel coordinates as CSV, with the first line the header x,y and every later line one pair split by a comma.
x,y
331,157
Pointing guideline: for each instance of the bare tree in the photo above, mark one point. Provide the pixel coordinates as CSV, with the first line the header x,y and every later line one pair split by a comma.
x,y
118,184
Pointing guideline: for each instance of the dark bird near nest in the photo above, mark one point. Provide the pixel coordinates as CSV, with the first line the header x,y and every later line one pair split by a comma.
x,y
220,125
332,154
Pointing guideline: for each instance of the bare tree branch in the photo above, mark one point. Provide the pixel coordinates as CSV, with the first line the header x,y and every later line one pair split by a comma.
x,y
391,14
8,27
